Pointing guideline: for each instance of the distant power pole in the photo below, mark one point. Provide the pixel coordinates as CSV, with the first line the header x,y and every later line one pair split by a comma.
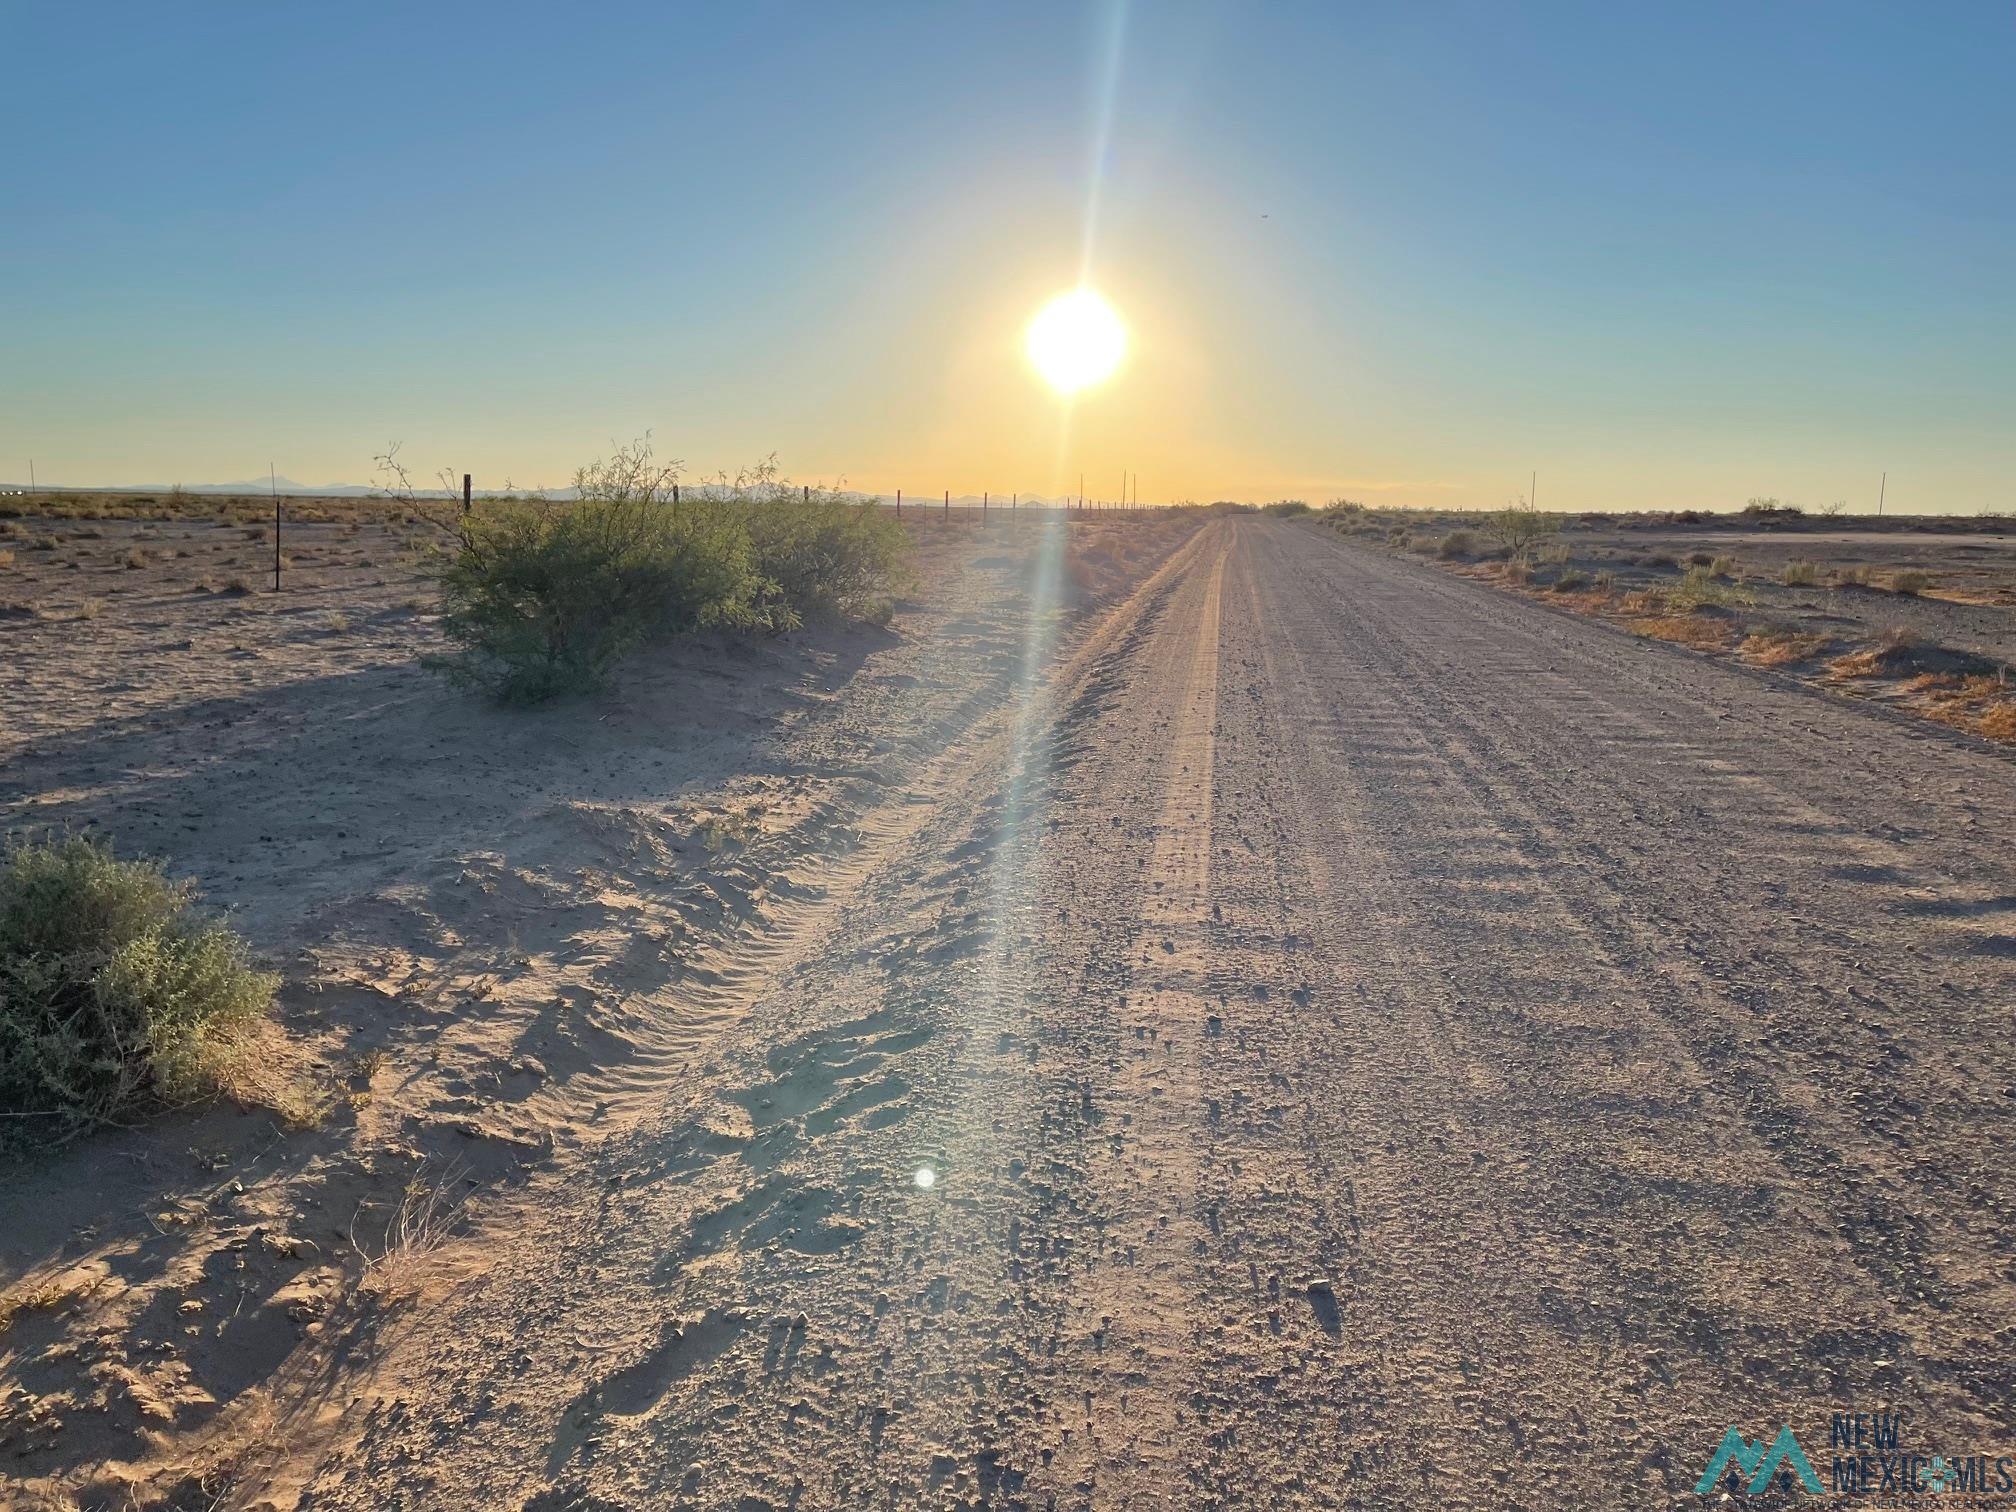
x,y
273,480
1882,489
31,476
1533,491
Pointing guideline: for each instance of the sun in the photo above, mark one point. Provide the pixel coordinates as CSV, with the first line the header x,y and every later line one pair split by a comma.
x,y
1076,340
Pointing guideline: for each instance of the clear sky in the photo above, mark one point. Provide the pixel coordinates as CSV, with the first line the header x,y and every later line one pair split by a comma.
x,y
1667,255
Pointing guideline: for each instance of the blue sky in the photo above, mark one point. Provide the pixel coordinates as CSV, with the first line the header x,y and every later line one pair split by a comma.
x,y
1667,256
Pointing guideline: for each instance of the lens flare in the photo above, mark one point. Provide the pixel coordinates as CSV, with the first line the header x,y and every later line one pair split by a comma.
x,y
1076,340
925,1177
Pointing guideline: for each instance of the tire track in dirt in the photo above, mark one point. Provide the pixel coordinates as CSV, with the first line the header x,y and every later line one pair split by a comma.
x,y
1139,1284
792,1186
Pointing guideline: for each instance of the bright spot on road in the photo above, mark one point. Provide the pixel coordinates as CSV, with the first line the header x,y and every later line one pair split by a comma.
x,y
925,1177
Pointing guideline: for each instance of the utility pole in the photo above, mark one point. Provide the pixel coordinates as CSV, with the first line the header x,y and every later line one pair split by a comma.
x,y
273,480
1882,489
31,476
1533,491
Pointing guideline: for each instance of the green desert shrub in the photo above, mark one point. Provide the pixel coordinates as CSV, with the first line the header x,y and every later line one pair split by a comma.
x,y
825,559
1910,582
545,597
1519,528
1458,543
114,995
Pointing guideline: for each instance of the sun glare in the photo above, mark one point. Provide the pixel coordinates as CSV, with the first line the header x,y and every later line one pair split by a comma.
x,y
1076,340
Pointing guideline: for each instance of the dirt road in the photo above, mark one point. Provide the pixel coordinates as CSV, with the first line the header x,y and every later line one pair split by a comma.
x,y
1351,1040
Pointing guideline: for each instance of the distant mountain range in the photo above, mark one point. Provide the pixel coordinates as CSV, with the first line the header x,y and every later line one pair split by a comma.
x,y
251,486
287,486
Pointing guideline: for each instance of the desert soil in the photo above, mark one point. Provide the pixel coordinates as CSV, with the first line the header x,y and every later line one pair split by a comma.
x,y
1305,1030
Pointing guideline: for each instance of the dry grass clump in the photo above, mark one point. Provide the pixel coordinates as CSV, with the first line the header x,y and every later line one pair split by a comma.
x,y
1851,577
1571,580
1700,588
1890,655
1910,582
113,995
1458,543
1983,702
1780,646
1703,634
1800,573
397,1261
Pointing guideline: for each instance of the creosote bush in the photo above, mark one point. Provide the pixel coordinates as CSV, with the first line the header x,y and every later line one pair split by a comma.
x,y
114,996
545,596
1458,543
1519,528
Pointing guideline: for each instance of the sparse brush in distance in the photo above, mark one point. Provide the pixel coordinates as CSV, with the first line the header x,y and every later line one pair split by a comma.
x,y
114,995
1458,543
1519,528
1285,507
1698,588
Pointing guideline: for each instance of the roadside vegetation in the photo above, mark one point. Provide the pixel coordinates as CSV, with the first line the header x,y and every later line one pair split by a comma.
x,y
545,597
1795,614
115,996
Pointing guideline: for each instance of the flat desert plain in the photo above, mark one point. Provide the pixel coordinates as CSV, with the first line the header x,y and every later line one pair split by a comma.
x,y
1202,1010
